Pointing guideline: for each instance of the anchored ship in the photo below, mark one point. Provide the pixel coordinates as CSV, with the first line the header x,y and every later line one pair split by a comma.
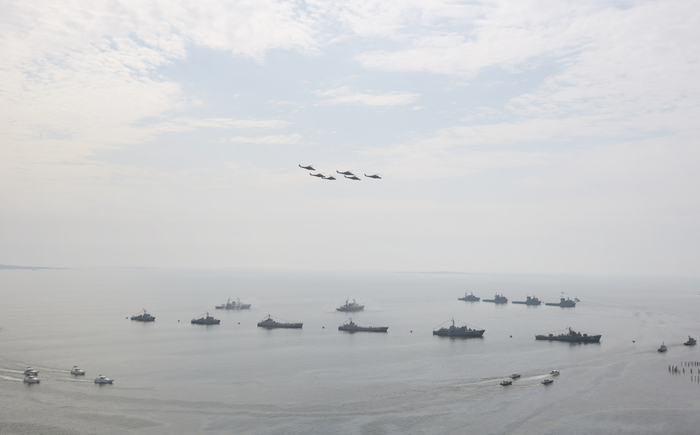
x,y
143,317
235,305
351,306
351,326
458,331
529,301
269,322
691,341
571,335
469,298
206,320
564,303
498,299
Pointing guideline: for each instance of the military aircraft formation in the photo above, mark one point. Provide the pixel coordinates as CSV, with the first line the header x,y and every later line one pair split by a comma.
x,y
347,174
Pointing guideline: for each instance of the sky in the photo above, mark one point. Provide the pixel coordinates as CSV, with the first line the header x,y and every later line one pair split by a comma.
x,y
511,136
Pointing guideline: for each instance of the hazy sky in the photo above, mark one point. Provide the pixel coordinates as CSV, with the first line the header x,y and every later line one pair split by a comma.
x,y
513,136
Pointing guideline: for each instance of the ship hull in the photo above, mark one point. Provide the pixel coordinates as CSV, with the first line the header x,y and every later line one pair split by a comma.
x,y
589,339
560,305
200,322
143,320
364,329
281,325
526,303
469,299
350,309
467,334
496,302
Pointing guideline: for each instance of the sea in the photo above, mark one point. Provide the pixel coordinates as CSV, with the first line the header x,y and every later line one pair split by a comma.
x,y
173,377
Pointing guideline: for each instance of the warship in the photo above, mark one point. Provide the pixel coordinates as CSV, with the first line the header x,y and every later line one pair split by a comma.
x,y
458,331
498,299
269,322
691,341
206,320
236,305
564,303
351,326
469,298
351,306
143,317
530,301
663,348
571,335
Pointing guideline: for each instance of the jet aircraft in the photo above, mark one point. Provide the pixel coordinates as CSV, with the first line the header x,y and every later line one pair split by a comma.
x,y
375,176
319,175
345,173
330,177
352,178
308,168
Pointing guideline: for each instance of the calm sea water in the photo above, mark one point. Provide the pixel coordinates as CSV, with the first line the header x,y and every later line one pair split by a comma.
x,y
172,377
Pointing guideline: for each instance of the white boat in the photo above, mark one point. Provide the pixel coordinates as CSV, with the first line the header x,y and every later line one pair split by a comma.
x,y
547,381
663,348
103,380
77,371
31,380
514,376
554,372
506,383
30,372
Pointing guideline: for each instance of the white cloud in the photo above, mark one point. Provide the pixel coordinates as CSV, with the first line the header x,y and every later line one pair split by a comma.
x,y
344,95
282,139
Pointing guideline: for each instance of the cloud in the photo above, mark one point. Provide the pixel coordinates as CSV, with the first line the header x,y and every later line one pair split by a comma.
x,y
343,95
281,139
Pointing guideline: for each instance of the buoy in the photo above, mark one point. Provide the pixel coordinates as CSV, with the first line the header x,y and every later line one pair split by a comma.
x,y
239,323
511,336
178,320
411,331
632,341
323,327
127,318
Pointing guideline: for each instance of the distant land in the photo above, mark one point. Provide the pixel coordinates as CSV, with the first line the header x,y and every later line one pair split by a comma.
x,y
7,266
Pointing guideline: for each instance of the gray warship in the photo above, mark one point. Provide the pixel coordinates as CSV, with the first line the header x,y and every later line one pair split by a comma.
x,y
459,331
206,320
143,317
269,322
235,305
529,301
350,306
498,299
351,326
564,303
691,341
572,336
469,298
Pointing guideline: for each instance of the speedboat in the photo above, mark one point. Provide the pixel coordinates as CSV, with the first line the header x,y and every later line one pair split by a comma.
x,y
77,371
548,381
103,380
30,372
31,380
506,383
554,372
663,348
514,376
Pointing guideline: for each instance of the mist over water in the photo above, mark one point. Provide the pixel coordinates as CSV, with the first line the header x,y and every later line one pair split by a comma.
x,y
174,377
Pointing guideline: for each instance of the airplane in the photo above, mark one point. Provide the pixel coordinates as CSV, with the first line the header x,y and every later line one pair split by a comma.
x,y
375,176
319,175
345,173
330,177
308,168
352,178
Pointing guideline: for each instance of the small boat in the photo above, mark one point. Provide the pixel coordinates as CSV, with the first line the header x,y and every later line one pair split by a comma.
x,y
77,371
30,372
143,317
514,376
548,381
469,298
663,348
269,322
350,306
206,320
577,300
351,326
691,341
103,380
506,383
31,380
554,373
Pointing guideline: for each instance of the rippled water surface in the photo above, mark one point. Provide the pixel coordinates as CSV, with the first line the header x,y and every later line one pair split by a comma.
x,y
172,377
